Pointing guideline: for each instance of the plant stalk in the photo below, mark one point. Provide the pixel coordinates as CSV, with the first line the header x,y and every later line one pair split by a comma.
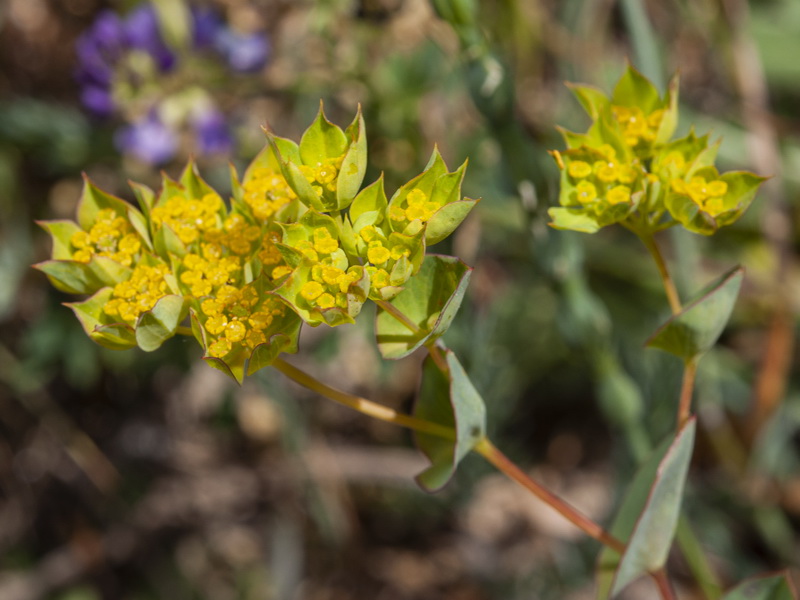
x,y
669,284
362,405
486,449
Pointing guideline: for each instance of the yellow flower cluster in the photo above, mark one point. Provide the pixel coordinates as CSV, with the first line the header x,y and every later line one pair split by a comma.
x,y
381,254
324,175
266,192
110,236
329,285
204,274
238,317
708,195
188,217
138,294
636,126
607,180
417,206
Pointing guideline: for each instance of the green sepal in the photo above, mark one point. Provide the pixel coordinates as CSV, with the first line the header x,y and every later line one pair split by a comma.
x,y
71,277
155,326
234,364
669,122
694,331
354,165
647,519
764,587
166,243
144,196
61,232
93,200
447,194
429,300
98,326
447,399
592,99
369,201
293,175
284,341
322,140
194,185
634,90
572,219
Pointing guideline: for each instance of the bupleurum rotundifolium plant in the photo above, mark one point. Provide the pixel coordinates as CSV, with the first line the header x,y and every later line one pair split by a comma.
x,y
626,170
300,241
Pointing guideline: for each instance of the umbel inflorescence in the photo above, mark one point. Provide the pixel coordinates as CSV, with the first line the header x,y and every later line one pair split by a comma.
x,y
299,241
625,169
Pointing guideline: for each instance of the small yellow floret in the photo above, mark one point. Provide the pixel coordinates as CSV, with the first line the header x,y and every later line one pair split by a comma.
x,y
717,188
579,169
377,254
311,290
326,300
235,331
618,194
586,192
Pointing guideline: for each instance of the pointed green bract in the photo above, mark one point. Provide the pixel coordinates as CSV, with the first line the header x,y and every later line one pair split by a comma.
x,y
765,587
648,516
448,399
430,301
322,140
592,99
116,336
160,323
354,165
694,331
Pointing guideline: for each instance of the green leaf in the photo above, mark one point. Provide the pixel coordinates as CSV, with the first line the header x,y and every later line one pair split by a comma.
x,y
93,200
669,121
322,140
451,400
634,89
445,220
694,331
70,276
429,300
61,231
195,186
157,325
166,242
648,516
593,100
116,336
573,220
354,165
144,196
764,587
284,341
372,199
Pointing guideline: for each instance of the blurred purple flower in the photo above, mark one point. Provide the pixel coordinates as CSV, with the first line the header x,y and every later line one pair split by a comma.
x,y
148,139
213,136
206,26
100,48
143,33
98,100
244,53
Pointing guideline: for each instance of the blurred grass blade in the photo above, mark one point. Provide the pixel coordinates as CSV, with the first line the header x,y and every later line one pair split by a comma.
x,y
765,587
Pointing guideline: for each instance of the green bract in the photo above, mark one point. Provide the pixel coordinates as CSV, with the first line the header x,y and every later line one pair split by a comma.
x,y
299,241
624,169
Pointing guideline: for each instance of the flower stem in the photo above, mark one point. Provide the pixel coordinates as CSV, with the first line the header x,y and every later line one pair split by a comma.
x,y
486,449
664,586
687,387
669,285
399,315
362,405
183,330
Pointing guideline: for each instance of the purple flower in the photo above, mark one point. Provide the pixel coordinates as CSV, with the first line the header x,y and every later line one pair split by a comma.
x,y
212,132
244,53
100,48
142,32
148,139
207,25
98,100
